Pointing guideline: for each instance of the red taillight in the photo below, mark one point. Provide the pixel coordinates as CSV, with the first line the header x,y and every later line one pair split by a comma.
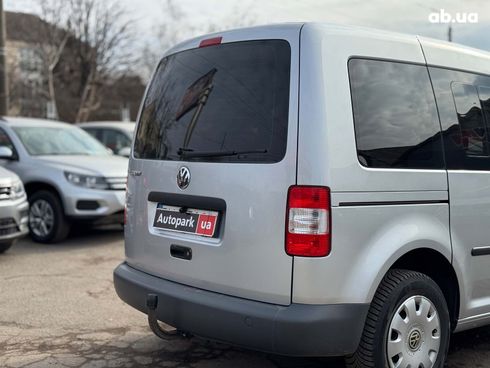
x,y
308,221
211,41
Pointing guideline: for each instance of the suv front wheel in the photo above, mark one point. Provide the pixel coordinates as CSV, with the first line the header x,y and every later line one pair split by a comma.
x,y
47,222
407,325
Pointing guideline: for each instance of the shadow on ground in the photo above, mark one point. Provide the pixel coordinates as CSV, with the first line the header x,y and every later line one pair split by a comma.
x,y
79,237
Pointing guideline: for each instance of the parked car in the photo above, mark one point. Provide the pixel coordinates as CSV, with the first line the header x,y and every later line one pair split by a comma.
x,y
68,175
114,135
13,205
314,190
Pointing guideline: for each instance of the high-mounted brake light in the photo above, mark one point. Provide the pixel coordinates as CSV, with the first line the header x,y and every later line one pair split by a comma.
x,y
211,41
308,221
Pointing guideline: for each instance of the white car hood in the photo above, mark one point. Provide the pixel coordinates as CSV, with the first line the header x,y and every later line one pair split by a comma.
x,y
107,166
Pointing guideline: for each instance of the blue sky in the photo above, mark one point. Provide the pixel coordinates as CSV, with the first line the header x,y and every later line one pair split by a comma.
x,y
409,16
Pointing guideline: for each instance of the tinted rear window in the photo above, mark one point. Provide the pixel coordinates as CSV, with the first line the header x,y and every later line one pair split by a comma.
x,y
474,137
485,101
395,115
462,103
227,98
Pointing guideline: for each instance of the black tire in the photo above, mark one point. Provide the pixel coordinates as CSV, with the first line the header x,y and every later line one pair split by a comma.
x,y
4,246
60,228
396,287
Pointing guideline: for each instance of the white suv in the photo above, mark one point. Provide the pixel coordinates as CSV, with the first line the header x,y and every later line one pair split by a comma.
x,y
13,205
69,176
309,189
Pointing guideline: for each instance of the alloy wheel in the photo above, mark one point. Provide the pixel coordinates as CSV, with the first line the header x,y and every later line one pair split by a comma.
x,y
41,218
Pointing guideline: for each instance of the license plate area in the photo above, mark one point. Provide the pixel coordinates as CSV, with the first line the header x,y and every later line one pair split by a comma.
x,y
187,220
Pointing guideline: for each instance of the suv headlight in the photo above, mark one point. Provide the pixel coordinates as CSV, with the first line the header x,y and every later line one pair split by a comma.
x,y
87,181
17,190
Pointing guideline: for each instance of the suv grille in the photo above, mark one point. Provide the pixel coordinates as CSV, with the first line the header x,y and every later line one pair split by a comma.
x,y
5,193
117,183
8,226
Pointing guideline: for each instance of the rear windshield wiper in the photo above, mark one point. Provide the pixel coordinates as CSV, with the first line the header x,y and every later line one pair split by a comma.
x,y
189,153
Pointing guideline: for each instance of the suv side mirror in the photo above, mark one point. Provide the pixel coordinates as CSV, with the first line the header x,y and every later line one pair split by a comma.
x,y
6,153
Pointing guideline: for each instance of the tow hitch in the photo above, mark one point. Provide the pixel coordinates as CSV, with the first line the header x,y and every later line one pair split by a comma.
x,y
152,304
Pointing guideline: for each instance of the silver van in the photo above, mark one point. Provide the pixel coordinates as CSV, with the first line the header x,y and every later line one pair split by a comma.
x,y
313,190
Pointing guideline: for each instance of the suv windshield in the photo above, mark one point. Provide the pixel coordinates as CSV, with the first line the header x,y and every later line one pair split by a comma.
x,y
220,103
61,140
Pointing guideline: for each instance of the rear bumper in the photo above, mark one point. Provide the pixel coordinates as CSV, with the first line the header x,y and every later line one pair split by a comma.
x,y
296,330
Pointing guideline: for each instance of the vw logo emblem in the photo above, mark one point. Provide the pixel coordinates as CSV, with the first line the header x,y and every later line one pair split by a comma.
x,y
183,177
414,340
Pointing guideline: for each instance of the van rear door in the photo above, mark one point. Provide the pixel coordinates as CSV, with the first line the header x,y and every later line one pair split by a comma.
x,y
214,156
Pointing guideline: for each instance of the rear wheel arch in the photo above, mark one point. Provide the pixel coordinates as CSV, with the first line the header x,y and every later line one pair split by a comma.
x,y
435,265
408,319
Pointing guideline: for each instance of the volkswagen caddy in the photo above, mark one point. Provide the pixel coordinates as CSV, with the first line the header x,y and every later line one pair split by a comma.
x,y
313,190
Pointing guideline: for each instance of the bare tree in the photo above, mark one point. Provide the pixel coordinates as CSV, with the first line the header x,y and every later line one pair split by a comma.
x,y
102,38
54,35
98,36
169,30
167,34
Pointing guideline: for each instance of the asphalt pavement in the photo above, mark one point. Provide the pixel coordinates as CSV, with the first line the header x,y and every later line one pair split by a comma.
x,y
58,308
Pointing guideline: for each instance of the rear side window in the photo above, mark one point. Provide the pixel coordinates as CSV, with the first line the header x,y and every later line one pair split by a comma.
x,y
115,140
96,133
472,137
395,115
225,103
462,99
485,102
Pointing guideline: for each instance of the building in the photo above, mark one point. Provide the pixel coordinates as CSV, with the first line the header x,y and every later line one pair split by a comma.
x,y
27,77
25,67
